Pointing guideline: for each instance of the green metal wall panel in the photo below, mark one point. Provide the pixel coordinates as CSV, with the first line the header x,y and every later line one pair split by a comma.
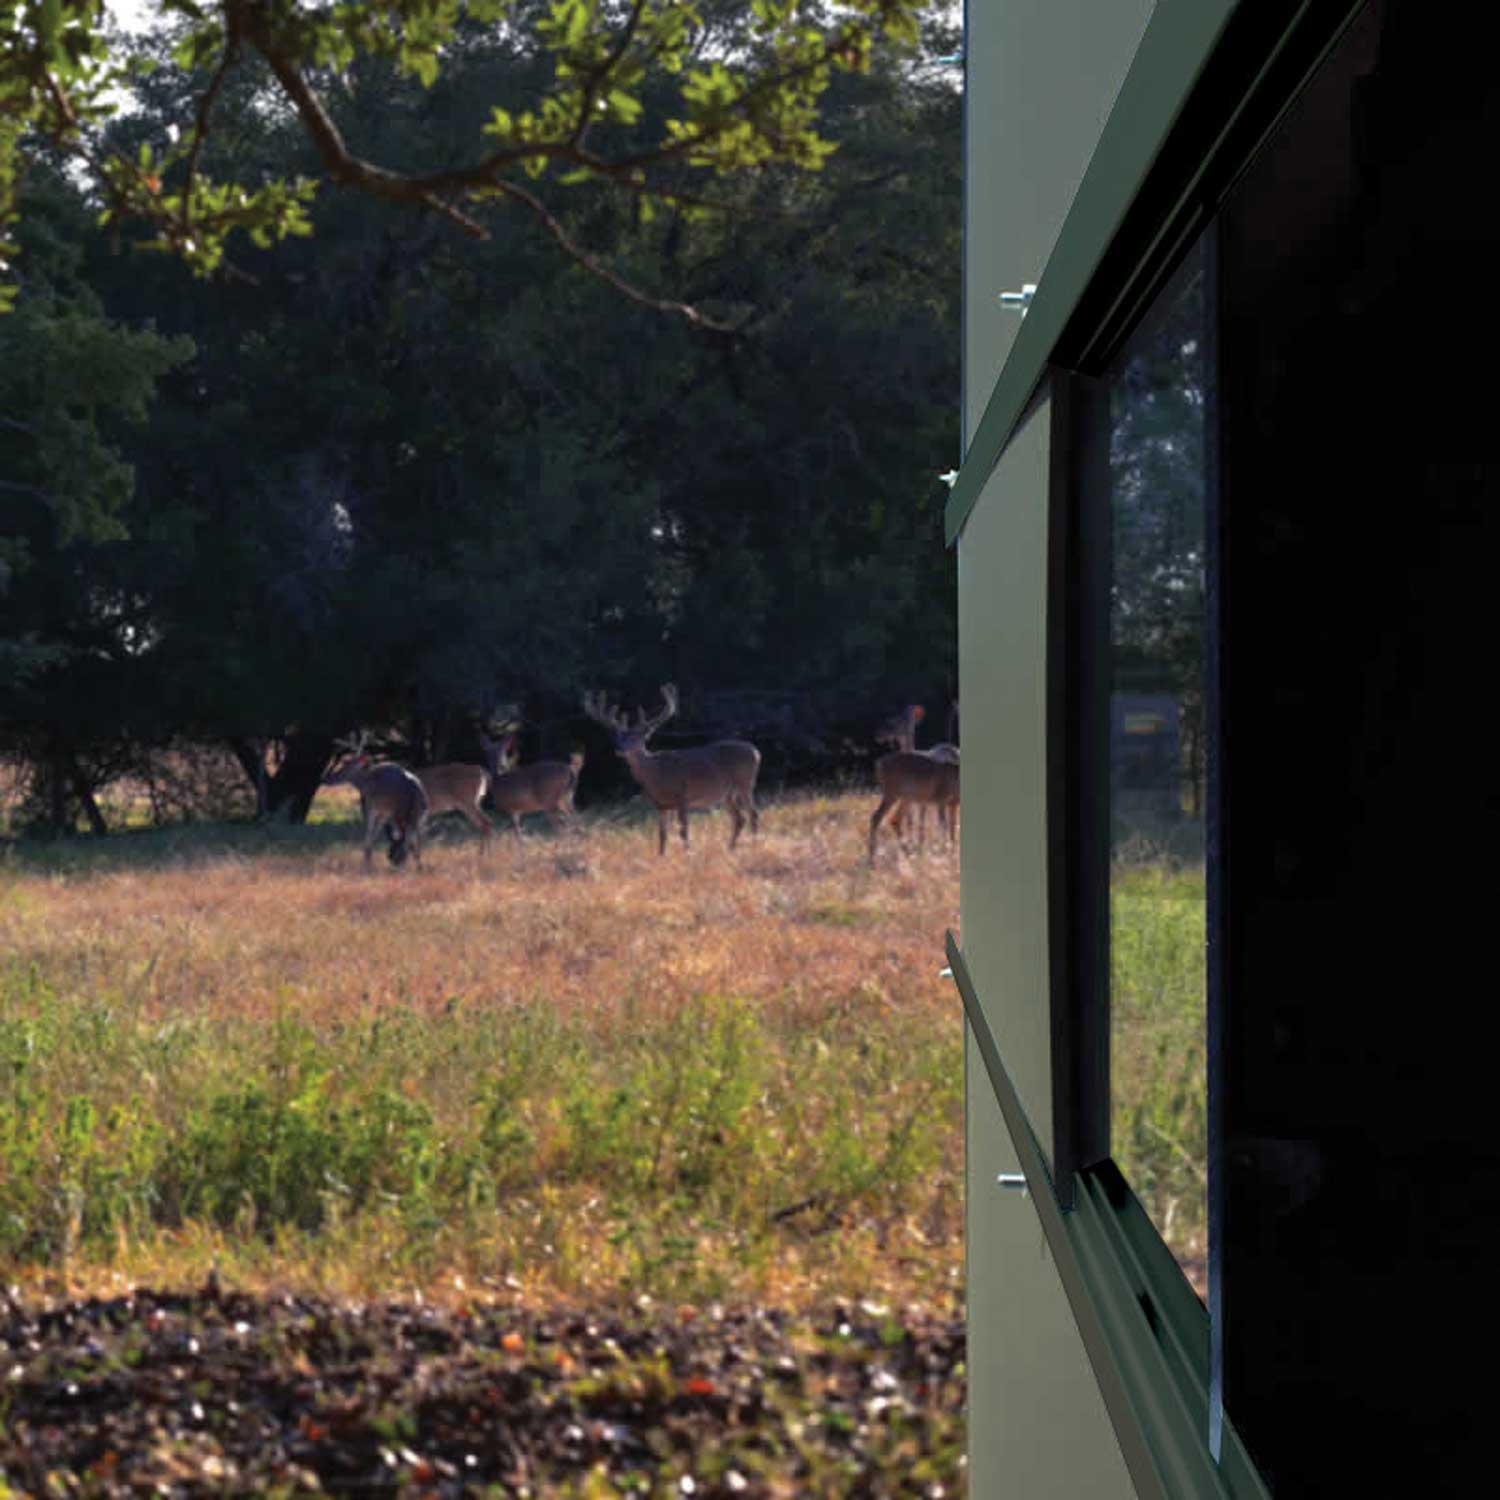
x,y
1037,1422
1042,76
1015,59
1028,149
1002,576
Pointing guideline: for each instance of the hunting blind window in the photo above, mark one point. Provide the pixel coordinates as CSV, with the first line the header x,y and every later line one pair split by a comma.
x,y
1147,489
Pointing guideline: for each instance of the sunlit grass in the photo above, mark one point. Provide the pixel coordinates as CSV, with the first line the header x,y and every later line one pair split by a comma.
x,y
1158,1063
572,1066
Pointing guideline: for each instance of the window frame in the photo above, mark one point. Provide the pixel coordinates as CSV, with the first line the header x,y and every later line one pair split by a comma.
x,y
1211,81
1079,681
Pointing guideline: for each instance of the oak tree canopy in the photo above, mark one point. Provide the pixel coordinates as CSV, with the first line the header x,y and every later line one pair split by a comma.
x,y
746,78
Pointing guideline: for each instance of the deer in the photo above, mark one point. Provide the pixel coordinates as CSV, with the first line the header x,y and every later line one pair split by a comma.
x,y
543,786
681,780
389,797
456,787
920,777
900,732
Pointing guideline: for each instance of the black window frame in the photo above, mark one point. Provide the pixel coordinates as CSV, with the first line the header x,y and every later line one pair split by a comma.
x,y
1078,780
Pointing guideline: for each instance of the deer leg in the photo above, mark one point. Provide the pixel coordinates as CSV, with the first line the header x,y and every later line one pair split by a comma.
x,y
373,822
515,827
482,823
885,805
738,815
682,823
661,830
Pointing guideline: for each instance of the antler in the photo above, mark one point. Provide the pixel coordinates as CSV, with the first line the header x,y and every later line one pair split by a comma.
x,y
646,727
598,709
352,745
596,706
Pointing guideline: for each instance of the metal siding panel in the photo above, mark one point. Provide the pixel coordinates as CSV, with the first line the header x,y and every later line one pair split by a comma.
x,y
1041,78
1002,651
1076,57
1037,1423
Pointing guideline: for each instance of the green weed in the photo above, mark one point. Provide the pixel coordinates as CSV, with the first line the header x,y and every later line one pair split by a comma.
x,y
652,1159
1159,1124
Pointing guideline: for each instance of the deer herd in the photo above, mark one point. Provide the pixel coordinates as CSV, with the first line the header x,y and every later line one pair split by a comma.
x,y
401,802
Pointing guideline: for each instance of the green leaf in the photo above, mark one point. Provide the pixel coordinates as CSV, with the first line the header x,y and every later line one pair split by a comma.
x,y
49,23
625,107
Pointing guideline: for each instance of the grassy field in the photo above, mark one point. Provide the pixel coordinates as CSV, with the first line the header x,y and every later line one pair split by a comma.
x,y
1158,1049
566,1071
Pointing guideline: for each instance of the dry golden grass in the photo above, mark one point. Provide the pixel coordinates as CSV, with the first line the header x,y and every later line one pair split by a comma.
x,y
588,921
592,927
792,917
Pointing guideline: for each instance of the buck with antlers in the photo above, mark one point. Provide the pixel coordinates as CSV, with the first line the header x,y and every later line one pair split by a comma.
x,y
389,797
682,780
543,786
901,733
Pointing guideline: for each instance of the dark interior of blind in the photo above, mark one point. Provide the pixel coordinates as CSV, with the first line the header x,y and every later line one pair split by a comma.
x,y
1361,514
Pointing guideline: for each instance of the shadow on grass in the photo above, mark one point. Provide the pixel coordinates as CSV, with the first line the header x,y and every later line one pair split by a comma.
x,y
335,828
186,843
150,848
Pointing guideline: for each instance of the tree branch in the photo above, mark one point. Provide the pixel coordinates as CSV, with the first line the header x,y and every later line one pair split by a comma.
x,y
253,23
598,74
29,489
205,104
341,164
350,170
549,222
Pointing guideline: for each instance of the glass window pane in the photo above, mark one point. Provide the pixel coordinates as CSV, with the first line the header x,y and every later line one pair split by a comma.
x,y
1158,464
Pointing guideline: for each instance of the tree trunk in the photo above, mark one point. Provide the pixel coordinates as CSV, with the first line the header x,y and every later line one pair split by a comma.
x,y
295,784
57,795
250,752
66,776
85,794
262,788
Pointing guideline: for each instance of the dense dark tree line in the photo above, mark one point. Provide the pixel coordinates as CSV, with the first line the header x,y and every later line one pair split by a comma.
x,y
389,476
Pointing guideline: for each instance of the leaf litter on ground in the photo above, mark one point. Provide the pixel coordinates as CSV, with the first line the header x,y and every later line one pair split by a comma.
x,y
222,1392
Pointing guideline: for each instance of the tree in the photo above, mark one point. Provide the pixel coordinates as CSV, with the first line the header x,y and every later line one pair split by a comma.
x,y
407,478
1158,473
746,80
70,625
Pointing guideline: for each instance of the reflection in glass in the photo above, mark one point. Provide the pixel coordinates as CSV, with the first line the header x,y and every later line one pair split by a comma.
x,y
1158,411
